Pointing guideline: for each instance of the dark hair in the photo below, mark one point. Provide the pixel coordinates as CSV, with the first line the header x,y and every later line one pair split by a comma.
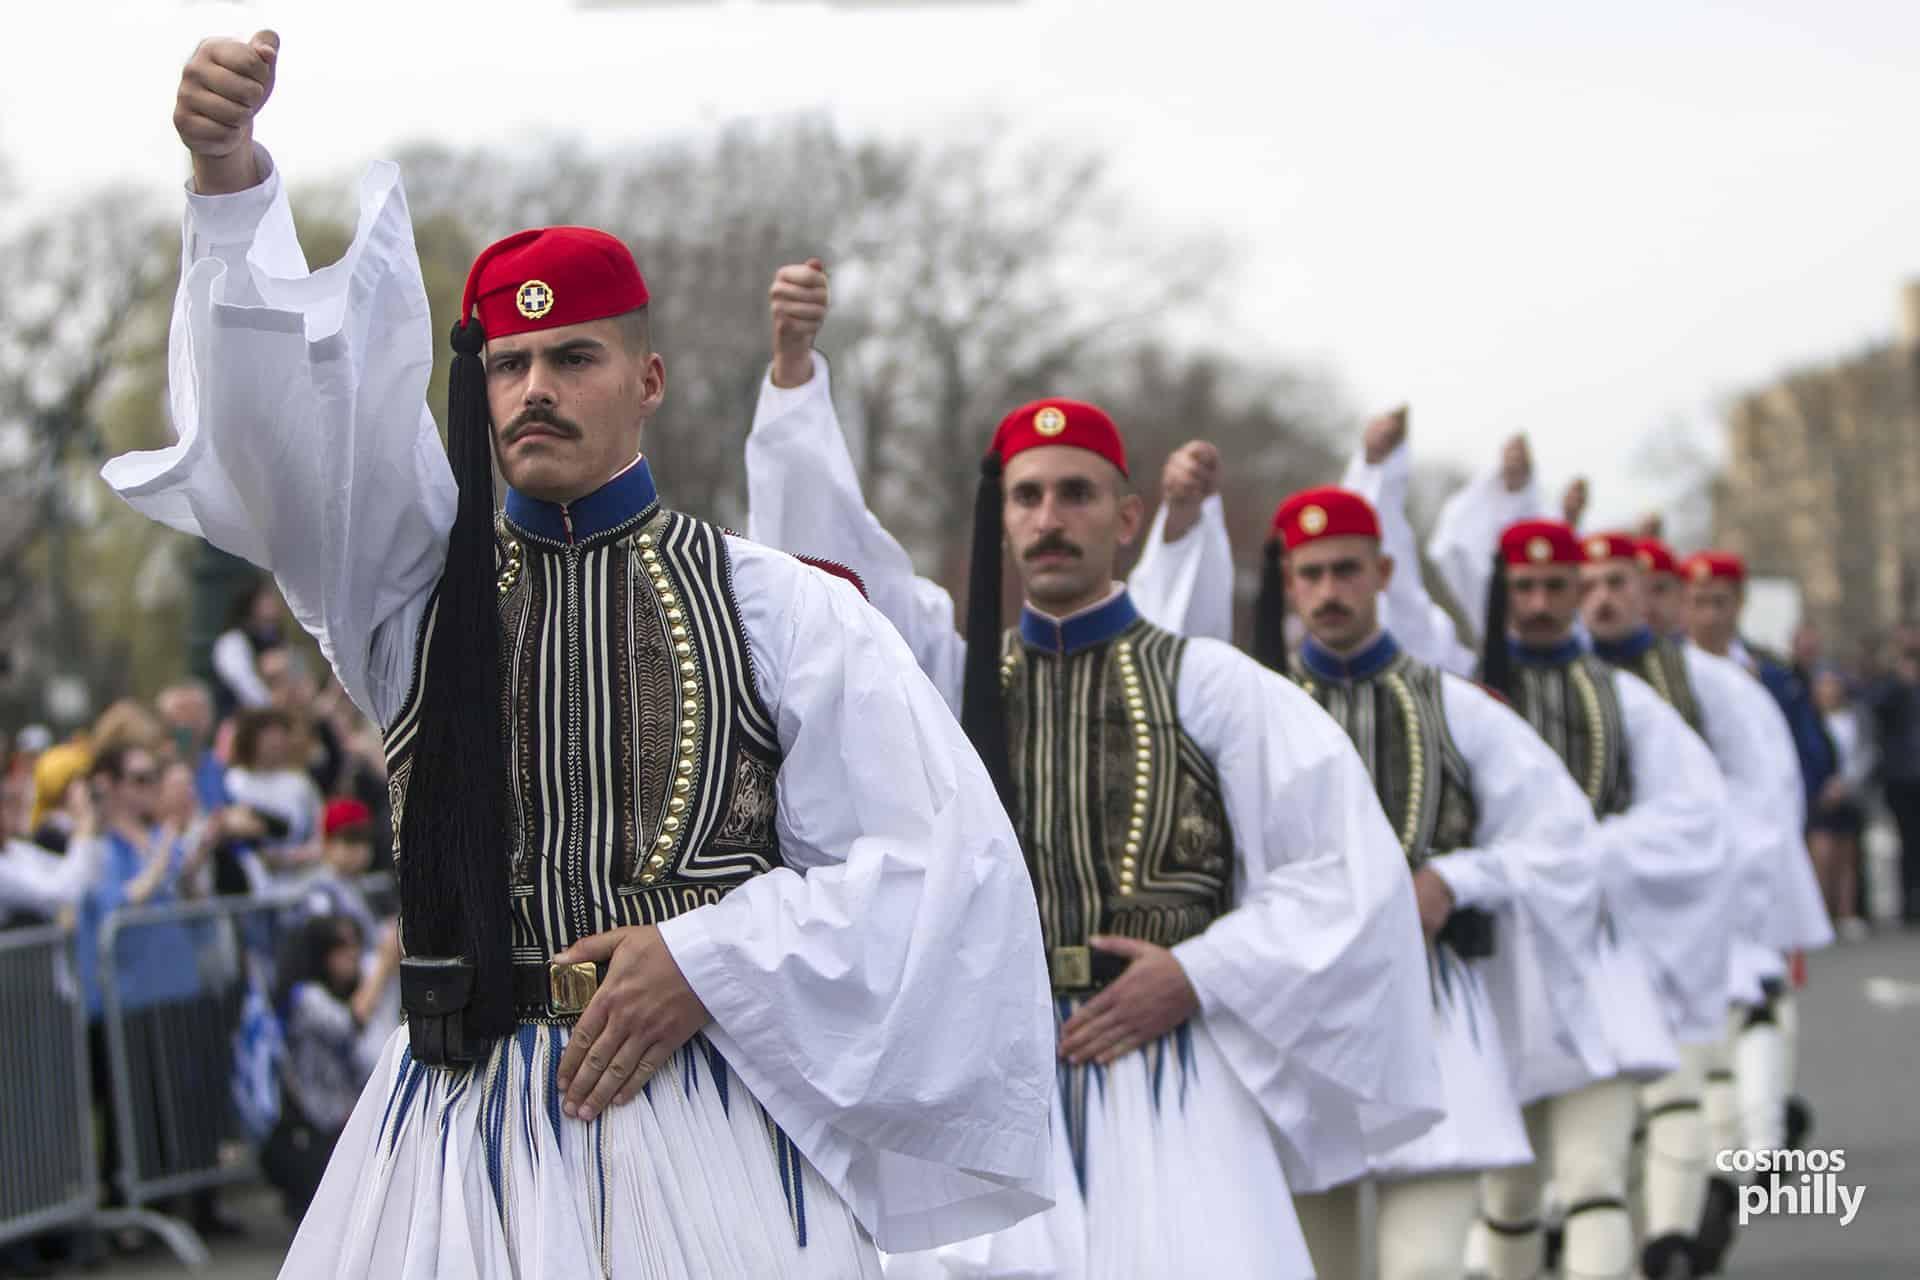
x,y
111,760
304,950
248,727
240,608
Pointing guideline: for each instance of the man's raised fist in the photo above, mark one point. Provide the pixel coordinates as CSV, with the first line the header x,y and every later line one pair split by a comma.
x,y
222,88
798,302
1516,464
1191,476
1383,435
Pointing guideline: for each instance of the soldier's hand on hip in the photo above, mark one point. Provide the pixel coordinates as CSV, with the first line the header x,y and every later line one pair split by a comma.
x,y
642,1014
798,302
222,88
1150,999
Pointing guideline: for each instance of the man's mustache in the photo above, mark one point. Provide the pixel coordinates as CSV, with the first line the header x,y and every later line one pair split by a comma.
x,y
1332,613
1537,621
527,419
1050,545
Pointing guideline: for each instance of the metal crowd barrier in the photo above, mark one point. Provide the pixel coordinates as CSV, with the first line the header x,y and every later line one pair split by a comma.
x,y
173,981
48,1170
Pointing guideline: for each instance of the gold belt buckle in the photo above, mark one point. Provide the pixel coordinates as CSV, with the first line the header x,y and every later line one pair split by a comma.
x,y
1071,968
570,986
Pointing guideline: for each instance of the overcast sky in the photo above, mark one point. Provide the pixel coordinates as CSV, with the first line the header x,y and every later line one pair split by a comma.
x,y
1514,215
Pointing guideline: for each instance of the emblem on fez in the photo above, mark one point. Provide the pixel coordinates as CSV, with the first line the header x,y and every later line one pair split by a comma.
x,y
535,299
1597,549
1702,571
1313,521
1049,421
1539,550
1646,560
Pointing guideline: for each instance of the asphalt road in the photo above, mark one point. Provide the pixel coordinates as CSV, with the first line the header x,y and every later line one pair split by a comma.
x,y
1859,1066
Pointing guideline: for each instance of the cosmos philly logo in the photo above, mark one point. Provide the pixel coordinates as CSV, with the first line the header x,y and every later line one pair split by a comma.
x,y
1804,1184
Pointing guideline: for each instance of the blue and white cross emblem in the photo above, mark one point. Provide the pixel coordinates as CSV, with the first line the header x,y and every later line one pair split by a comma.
x,y
535,299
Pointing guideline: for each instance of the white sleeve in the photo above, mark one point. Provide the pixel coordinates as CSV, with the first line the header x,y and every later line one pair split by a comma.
x,y
235,664
43,883
1315,986
1422,627
1468,533
883,994
304,444
1664,868
1531,862
1780,902
1186,586
804,497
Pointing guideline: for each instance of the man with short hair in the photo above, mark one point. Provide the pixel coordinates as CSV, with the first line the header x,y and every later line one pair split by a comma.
x,y
720,960
1749,740
187,711
1233,943
1494,830
1660,799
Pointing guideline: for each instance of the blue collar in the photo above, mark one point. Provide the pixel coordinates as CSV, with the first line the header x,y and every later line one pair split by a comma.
x,y
1082,630
1558,655
1628,649
1376,657
613,504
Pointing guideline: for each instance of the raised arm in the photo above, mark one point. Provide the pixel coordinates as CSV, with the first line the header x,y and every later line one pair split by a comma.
x,y
1468,530
803,494
1379,473
1184,580
303,441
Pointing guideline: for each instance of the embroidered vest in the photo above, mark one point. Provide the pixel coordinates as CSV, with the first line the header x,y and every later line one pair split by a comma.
x,y
1398,723
641,760
1120,815
1664,666
1575,707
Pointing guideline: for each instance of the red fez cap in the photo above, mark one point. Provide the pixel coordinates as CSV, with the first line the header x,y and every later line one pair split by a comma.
x,y
345,815
1609,546
1066,422
1536,542
1725,565
1326,512
551,276
1656,556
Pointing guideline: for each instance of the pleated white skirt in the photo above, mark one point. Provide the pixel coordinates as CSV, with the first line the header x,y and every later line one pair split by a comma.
x,y
1164,1169
476,1175
1482,1128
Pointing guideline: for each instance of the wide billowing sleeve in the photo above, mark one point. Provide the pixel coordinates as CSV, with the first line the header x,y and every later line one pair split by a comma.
x,y
1421,626
1467,534
1186,586
1315,985
804,497
1664,863
303,440
1531,864
1780,904
883,993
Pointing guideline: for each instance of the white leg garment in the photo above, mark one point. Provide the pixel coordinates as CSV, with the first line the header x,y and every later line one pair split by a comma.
x,y
1422,1226
1673,1181
1330,1220
1586,1138
1759,1074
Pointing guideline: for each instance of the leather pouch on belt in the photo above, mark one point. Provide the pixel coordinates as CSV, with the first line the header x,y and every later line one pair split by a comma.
x,y
434,992
1469,931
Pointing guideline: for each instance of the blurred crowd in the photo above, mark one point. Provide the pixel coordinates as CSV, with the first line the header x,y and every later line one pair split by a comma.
x,y
263,786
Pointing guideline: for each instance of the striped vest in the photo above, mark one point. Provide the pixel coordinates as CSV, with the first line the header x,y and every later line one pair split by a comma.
x,y
1398,723
1573,705
1120,815
641,760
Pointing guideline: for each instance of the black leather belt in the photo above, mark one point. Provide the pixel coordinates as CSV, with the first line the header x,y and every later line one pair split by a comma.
x,y
542,990
1082,970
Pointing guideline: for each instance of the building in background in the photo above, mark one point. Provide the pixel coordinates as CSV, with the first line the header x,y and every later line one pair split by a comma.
x,y
1823,485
